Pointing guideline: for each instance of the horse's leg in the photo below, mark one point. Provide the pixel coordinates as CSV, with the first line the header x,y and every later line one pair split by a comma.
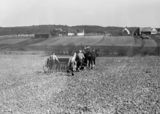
x,y
77,68
94,62
57,67
86,60
72,71
89,63
70,68
81,64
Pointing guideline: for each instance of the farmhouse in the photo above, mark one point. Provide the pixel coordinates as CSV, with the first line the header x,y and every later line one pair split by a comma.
x,y
154,31
81,33
148,30
71,34
145,30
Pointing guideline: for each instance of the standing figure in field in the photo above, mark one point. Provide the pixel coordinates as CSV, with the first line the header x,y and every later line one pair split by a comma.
x,y
80,58
54,57
56,63
51,63
72,64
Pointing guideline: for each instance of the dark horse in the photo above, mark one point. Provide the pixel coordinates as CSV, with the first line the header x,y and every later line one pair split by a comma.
x,y
90,58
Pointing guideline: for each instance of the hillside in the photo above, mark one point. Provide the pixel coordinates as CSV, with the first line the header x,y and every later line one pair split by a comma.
x,y
115,31
77,41
107,45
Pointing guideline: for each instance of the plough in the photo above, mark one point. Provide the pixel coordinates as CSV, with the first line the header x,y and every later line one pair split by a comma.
x,y
55,66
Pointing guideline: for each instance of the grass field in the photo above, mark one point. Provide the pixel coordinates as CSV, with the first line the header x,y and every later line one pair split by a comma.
x,y
12,40
118,85
77,41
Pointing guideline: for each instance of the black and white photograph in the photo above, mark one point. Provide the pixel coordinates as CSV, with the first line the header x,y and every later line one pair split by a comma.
x,y
79,57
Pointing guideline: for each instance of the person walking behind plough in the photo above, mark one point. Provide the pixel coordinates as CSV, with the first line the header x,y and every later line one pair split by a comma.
x,y
54,57
56,62
81,60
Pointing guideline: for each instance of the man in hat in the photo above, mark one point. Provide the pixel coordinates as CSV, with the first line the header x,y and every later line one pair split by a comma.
x,y
80,60
80,54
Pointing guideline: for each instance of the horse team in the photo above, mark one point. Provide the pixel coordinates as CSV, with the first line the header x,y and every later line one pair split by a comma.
x,y
80,60
83,59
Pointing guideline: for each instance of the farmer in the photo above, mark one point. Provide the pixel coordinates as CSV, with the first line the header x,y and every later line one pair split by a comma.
x,y
81,55
54,57
80,60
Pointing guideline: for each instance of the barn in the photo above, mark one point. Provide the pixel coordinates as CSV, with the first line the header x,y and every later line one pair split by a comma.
x,y
154,31
81,33
145,30
71,33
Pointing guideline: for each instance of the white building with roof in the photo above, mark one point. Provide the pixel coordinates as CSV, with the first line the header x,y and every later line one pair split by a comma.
x,y
154,31
71,34
81,33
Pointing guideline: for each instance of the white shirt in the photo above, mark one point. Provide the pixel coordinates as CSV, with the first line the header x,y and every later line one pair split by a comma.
x,y
55,57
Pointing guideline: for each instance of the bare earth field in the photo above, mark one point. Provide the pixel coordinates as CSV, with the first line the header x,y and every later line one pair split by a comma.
x,y
24,89
118,85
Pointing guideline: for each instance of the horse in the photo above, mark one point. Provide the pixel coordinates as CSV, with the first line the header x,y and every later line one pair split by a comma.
x,y
90,58
88,61
72,64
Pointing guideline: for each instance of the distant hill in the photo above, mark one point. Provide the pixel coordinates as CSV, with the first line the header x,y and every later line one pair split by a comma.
x,y
28,29
107,45
115,31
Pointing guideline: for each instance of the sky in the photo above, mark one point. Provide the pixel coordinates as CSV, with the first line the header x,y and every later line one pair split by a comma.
x,y
142,13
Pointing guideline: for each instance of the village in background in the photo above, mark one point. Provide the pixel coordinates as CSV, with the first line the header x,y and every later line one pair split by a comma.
x,y
65,40
46,31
